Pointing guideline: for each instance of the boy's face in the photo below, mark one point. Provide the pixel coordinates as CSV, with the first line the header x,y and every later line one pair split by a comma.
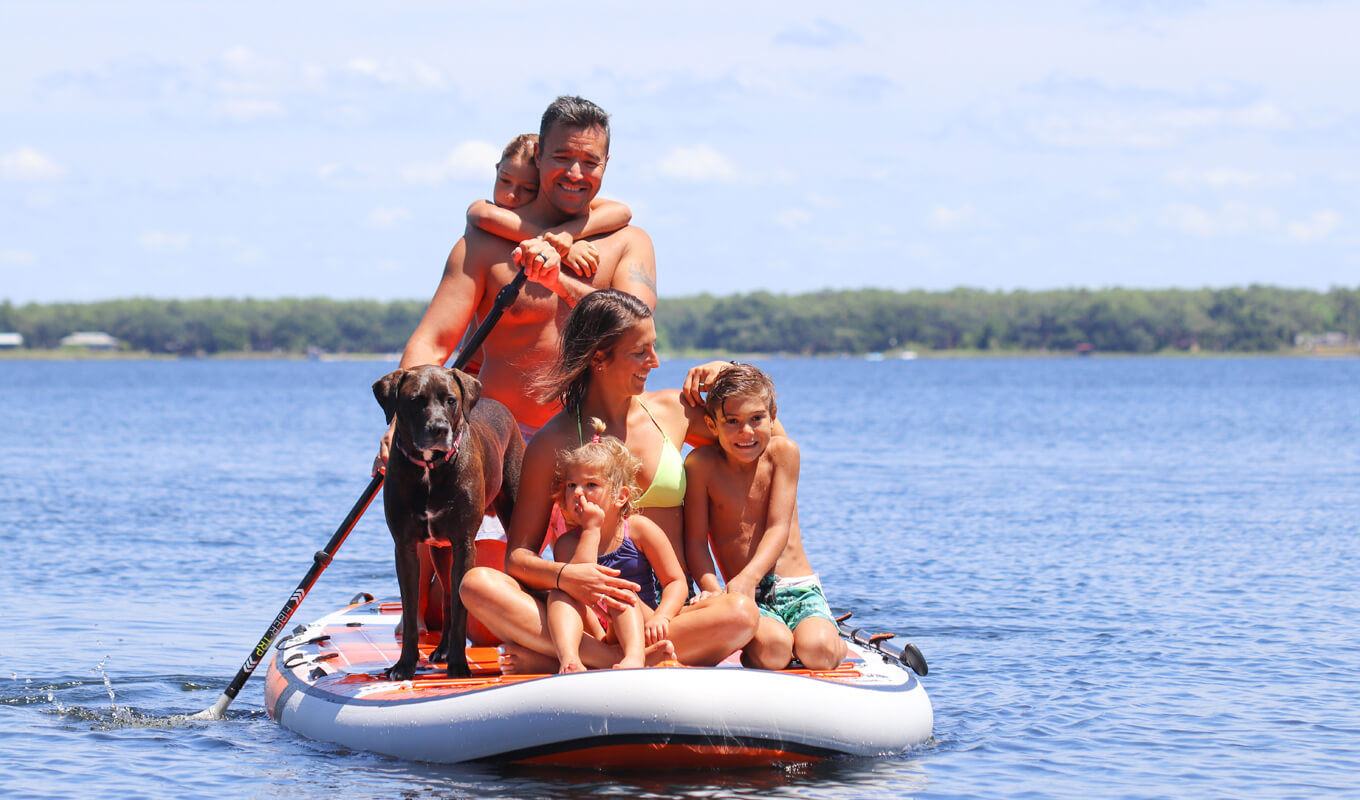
x,y
743,427
571,166
516,183
583,483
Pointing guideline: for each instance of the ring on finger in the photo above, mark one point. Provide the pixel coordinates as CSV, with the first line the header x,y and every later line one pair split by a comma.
x,y
545,258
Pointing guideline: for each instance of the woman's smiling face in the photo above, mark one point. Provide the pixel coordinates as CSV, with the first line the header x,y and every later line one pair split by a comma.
x,y
633,357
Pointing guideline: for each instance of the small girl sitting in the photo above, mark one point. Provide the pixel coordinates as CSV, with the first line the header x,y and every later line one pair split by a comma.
x,y
595,486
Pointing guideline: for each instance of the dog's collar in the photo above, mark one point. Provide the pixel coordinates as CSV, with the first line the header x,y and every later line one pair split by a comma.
x,y
420,462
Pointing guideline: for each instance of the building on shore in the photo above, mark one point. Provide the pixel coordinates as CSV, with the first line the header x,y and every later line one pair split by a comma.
x,y
90,340
10,340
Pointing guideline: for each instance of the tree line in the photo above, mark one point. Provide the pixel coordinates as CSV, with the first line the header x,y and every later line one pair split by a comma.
x,y
1251,319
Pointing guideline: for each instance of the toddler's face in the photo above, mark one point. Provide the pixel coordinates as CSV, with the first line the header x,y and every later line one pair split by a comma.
x,y
516,183
583,486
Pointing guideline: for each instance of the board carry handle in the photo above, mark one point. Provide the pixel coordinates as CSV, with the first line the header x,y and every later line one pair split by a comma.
x,y
905,653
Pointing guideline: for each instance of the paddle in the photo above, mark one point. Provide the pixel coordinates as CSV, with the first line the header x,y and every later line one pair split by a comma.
x,y
322,558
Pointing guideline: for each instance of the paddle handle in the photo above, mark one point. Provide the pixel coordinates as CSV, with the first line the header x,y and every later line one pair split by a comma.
x,y
320,560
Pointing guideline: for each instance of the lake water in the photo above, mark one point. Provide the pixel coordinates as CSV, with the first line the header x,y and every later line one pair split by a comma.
x,y
1131,577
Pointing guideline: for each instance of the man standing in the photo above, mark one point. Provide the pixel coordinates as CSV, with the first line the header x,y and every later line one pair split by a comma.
x,y
572,154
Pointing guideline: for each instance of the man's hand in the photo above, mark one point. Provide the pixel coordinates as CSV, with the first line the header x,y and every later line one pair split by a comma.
x,y
384,449
541,263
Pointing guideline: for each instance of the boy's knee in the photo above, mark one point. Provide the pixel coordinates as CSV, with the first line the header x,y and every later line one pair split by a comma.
x,y
819,648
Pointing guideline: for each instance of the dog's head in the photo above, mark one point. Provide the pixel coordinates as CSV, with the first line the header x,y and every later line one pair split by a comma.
x,y
431,404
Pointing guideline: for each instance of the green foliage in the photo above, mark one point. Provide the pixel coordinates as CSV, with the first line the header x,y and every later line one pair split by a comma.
x,y
1251,319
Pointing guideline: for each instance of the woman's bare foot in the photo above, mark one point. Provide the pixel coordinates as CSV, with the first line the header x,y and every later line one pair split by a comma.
x,y
571,665
516,660
659,653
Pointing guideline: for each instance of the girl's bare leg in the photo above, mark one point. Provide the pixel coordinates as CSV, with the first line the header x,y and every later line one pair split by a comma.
x,y
565,627
626,625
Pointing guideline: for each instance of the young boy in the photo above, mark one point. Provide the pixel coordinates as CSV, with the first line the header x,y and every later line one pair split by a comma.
x,y
742,495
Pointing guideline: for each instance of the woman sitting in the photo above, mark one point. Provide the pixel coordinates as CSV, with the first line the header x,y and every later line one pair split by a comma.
x,y
608,348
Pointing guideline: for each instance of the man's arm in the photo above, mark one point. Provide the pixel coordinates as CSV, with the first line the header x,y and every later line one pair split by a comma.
x,y
780,508
636,272
446,318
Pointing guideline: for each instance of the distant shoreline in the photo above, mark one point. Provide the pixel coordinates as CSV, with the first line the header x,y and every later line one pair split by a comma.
x,y
73,354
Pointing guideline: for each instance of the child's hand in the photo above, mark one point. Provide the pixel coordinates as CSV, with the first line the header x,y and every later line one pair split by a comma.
x,y
699,379
657,629
583,258
586,513
561,242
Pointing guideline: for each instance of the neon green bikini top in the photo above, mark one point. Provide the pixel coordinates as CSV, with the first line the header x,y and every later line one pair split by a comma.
x,y
668,483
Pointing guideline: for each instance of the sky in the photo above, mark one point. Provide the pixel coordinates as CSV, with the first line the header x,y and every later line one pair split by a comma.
x,y
247,149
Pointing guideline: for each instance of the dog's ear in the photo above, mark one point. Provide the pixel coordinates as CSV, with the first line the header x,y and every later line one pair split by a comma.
x,y
472,389
385,389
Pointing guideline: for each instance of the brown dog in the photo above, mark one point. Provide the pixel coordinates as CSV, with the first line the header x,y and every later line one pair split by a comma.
x,y
452,459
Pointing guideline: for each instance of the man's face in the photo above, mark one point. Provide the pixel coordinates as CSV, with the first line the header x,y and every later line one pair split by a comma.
x,y
571,166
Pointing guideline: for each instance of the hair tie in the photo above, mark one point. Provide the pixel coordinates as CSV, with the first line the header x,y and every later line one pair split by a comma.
x,y
595,439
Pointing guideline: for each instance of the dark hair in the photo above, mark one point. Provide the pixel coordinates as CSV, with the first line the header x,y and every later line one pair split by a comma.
x,y
594,325
522,146
610,456
739,380
574,112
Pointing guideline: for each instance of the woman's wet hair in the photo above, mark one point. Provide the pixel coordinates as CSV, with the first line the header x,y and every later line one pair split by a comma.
x,y
610,457
521,148
593,326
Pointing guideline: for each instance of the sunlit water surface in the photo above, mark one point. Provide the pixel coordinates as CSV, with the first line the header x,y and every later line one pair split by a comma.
x,y
1131,577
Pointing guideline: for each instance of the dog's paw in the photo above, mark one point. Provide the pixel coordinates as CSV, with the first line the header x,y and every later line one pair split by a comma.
x,y
400,672
456,669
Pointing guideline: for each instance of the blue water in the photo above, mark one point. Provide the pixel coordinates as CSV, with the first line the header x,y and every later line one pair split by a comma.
x,y
1131,577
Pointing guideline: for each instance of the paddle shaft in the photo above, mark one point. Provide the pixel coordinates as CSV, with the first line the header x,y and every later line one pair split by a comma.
x,y
322,558
320,561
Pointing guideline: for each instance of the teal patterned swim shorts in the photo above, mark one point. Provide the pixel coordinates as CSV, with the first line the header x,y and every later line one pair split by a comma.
x,y
792,600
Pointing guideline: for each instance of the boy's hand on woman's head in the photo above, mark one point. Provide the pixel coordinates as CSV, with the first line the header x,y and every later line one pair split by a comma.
x,y
699,379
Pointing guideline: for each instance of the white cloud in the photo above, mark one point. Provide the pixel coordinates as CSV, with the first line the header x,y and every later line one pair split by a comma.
x,y
20,257
1221,178
325,171
944,218
1317,226
415,74
386,218
1233,219
471,160
248,108
793,218
158,241
1145,129
701,164
27,164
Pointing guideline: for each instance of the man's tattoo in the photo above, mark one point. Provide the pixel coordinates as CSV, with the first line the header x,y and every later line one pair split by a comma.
x,y
642,275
